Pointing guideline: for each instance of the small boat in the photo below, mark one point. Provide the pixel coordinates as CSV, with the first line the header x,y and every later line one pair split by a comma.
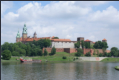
x,y
29,60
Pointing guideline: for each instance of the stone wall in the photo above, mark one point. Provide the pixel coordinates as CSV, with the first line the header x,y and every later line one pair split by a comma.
x,y
57,50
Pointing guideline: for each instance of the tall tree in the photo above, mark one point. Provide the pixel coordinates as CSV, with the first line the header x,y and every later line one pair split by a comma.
x,y
45,52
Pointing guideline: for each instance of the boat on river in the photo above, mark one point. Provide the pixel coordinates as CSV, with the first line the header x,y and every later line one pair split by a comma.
x,y
28,60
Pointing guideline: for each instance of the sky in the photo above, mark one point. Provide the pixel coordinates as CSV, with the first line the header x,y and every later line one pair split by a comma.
x,y
93,20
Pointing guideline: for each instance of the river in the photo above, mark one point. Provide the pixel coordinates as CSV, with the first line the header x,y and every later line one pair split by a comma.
x,y
59,71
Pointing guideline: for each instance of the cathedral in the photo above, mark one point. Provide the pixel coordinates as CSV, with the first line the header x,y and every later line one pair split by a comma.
x,y
57,43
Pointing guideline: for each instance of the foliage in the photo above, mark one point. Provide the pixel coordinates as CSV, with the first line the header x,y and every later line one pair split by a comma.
x,y
15,53
64,57
100,55
55,38
77,45
45,52
94,52
6,54
79,52
39,52
53,51
97,52
114,51
100,45
88,54
87,44
82,43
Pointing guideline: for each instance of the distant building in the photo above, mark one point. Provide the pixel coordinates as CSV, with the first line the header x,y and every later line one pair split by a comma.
x,y
57,43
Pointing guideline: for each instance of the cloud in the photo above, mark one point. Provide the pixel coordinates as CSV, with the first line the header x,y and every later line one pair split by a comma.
x,y
5,5
64,19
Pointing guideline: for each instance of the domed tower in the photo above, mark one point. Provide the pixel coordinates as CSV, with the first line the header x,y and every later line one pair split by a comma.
x,y
18,37
24,33
104,40
34,35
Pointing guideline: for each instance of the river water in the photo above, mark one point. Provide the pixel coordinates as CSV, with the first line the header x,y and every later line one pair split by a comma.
x,y
59,71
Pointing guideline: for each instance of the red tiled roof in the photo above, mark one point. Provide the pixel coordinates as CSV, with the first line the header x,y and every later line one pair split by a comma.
x,y
104,39
108,51
60,39
94,42
87,40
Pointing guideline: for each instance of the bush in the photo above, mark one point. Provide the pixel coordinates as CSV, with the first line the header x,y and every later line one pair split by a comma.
x,y
88,54
45,52
64,57
77,58
100,55
53,51
6,54
79,52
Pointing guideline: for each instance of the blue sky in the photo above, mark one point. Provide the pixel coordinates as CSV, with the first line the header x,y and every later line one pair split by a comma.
x,y
93,20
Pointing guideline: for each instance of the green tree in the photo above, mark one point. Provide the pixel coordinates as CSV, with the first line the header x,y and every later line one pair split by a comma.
x,y
114,51
100,55
5,46
79,52
88,54
87,45
55,38
82,43
28,51
100,45
40,52
45,52
6,54
15,53
94,52
53,51
77,45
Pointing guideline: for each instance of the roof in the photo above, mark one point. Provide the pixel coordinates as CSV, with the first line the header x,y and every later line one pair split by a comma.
x,y
87,40
94,42
104,39
60,39
108,51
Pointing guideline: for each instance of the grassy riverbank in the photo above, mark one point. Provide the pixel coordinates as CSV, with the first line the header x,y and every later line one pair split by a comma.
x,y
57,57
110,60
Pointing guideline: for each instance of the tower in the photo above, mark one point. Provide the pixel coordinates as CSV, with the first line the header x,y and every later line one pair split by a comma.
x,y
80,38
18,37
104,40
34,35
24,33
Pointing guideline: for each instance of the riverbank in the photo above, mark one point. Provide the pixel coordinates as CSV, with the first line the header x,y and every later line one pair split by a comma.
x,y
57,57
110,59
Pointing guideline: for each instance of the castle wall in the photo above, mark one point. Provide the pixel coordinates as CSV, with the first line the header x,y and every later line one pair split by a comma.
x,y
63,44
73,50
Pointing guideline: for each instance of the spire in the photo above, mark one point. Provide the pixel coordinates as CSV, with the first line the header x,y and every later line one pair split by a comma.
x,y
18,35
24,29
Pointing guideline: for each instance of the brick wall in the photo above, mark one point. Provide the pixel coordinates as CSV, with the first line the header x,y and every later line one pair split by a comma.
x,y
73,50
57,50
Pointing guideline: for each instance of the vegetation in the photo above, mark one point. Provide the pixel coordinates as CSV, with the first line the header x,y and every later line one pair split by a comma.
x,y
45,52
100,45
6,54
88,54
29,49
56,38
79,52
64,57
53,51
110,60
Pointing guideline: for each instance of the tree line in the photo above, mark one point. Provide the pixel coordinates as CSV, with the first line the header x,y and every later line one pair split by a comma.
x,y
87,45
33,48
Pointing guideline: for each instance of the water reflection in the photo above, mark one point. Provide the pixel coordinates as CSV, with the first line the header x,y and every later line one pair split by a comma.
x,y
59,71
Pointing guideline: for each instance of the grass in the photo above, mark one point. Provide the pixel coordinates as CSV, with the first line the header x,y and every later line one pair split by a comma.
x,y
57,57
116,67
110,60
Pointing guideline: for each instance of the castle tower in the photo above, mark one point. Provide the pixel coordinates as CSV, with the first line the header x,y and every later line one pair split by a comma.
x,y
34,35
80,38
18,37
24,33
104,40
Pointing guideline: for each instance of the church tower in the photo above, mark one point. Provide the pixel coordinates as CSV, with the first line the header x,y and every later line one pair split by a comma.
x,y
34,35
24,33
18,37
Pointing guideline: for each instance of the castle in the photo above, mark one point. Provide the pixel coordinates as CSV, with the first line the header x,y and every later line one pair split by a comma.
x,y
61,45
